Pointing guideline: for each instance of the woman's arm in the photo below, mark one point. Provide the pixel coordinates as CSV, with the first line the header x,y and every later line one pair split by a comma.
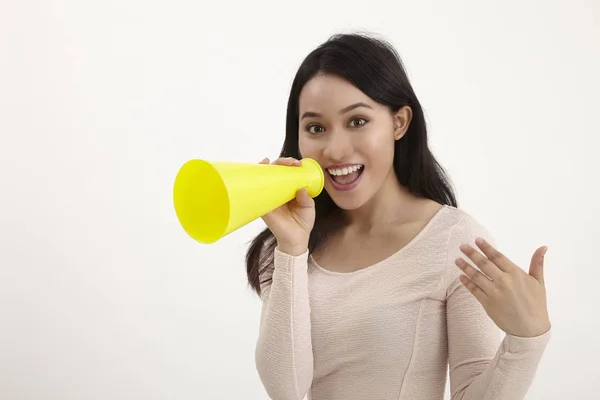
x,y
482,367
284,357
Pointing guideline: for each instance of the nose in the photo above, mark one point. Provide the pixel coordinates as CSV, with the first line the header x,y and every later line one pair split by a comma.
x,y
339,146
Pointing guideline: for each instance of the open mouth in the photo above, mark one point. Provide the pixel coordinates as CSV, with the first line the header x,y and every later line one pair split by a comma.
x,y
346,176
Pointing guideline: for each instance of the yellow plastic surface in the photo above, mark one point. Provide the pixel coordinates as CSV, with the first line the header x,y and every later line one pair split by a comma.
x,y
213,199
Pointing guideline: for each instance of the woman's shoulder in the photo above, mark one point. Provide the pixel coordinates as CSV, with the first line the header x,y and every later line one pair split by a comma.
x,y
459,222
459,227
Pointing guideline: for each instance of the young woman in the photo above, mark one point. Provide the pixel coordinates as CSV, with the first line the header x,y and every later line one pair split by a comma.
x,y
377,286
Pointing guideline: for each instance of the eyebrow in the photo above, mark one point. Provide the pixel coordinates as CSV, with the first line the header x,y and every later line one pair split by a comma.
x,y
310,114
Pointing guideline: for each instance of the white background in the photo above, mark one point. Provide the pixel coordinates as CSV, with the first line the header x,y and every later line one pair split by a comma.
x,y
103,296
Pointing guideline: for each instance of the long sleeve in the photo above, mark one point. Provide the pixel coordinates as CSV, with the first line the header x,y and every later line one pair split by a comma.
x,y
284,358
481,366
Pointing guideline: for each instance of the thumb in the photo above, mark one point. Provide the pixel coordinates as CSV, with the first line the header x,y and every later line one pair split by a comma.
x,y
537,264
303,199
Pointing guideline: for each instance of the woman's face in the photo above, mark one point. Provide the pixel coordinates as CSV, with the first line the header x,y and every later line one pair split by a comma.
x,y
350,136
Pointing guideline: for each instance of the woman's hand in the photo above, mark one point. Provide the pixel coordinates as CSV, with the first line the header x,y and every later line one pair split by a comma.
x,y
292,222
514,300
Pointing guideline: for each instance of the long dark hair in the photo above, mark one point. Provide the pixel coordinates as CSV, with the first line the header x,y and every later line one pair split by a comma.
x,y
374,67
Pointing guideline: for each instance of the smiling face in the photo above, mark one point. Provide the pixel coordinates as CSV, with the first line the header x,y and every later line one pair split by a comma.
x,y
351,136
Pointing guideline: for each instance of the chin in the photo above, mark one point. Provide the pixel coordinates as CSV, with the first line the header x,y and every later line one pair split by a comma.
x,y
346,201
348,206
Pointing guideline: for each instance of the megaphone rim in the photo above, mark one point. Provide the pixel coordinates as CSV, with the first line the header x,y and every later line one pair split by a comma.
x,y
204,166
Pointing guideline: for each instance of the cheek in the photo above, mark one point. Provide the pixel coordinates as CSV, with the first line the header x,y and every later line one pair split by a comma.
x,y
308,148
378,148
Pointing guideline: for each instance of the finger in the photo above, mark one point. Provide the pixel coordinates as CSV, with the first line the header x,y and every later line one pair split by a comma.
x,y
290,161
484,263
473,288
265,161
536,268
499,259
475,276
294,161
303,199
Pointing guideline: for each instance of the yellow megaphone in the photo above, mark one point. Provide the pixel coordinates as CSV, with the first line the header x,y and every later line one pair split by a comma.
x,y
213,199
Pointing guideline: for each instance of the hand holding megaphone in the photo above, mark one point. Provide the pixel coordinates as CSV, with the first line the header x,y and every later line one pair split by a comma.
x,y
213,199
292,222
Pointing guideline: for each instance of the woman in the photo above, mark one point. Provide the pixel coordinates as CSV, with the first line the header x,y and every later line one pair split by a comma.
x,y
374,288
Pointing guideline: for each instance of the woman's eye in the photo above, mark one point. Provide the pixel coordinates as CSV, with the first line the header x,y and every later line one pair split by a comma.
x,y
357,122
315,129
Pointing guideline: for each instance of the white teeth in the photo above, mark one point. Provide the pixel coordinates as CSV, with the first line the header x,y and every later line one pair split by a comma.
x,y
344,171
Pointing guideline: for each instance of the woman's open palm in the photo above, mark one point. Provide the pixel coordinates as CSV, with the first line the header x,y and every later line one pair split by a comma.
x,y
513,299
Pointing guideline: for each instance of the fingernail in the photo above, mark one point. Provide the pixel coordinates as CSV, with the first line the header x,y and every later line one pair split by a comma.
x,y
544,250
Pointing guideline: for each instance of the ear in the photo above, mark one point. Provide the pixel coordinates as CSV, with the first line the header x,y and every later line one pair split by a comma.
x,y
401,122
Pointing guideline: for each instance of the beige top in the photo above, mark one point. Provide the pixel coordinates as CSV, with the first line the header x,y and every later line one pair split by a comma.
x,y
391,330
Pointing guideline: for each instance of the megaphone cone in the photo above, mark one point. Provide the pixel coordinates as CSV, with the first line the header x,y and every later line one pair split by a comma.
x,y
213,199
